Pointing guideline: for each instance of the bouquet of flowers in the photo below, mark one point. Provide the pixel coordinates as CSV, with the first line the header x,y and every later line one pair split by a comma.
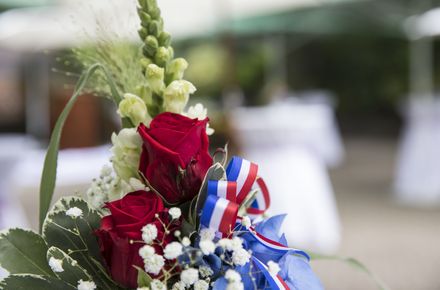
x,y
166,214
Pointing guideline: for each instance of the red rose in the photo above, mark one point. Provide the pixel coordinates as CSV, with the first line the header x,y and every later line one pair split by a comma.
x,y
175,155
128,216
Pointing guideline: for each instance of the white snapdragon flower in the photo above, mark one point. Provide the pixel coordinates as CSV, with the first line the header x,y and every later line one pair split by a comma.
x,y
207,247
207,234
155,76
127,145
74,212
56,265
273,267
157,285
177,67
176,95
201,285
134,108
86,285
175,212
149,233
153,264
146,251
172,250
232,276
189,276
143,288
240,257
199,112
136,184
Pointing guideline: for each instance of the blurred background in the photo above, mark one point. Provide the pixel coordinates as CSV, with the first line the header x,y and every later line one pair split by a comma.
x,y
335,100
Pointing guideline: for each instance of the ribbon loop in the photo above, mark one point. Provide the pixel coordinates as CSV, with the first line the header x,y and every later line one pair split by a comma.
x,y
241,176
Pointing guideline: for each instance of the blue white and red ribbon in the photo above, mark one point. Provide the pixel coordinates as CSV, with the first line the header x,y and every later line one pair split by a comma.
x,y
219,213
262,199
241,177
275,281
274,245
244,173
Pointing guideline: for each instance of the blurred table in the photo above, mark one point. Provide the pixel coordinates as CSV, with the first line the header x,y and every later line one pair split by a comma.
x,y
76,169
287,141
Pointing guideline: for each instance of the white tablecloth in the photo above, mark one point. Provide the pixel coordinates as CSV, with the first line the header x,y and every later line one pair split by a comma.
x,y
293,170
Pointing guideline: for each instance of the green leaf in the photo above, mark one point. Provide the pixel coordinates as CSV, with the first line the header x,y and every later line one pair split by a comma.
x,y
48,177
23,252
34,282
247,202
75,236
353,263
72,272
215,172
143,279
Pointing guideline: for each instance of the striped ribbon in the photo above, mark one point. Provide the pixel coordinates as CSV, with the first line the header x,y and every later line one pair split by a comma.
x,y
275,281
224,197
274,245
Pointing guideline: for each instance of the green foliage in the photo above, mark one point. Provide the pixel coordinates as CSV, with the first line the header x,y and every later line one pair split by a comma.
x,y
75,236
23,251
72,272
34,282
143,279
48,177
215,172
352,263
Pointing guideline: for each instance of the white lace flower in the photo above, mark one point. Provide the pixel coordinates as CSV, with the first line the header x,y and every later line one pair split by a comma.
x,y
149,233
157,285
232,276
86,285
207,234
189,276
273,267
146,251
172,250
178,286
240,257
153,264
207,247
201,285
175,212
56,265
186,242
74,212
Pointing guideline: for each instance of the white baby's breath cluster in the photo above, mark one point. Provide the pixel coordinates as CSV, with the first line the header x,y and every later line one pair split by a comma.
x,y
108,187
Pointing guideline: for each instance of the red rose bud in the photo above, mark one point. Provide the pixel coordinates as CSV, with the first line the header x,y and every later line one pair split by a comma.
x,y
128,216
175,156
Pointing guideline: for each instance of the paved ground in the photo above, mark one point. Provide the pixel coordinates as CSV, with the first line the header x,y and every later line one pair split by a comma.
x,y
400,244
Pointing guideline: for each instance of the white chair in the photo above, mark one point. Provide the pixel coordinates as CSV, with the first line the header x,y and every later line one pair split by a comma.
x,y
278,137
417,179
